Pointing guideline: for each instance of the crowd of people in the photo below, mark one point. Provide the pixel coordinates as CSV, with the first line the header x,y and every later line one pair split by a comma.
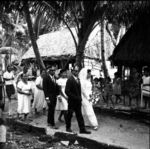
x,y
65,92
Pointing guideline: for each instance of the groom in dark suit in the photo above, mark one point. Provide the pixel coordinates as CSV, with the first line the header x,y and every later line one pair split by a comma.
x,y
73,91
51,91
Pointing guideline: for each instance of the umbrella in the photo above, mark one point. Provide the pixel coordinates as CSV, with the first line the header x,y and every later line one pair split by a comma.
x,y
8,50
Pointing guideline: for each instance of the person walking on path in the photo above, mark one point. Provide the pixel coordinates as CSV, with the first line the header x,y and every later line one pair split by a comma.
x,y
24,96
86,91
73,91
39,102
10,90
51,91
62,104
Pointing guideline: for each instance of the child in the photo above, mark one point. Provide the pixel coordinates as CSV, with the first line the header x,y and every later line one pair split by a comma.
x,y
108,91
117,87
3,132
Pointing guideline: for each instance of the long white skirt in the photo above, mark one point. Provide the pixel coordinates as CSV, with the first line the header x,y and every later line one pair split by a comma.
x,y
88,114
24,104
39,100
61,105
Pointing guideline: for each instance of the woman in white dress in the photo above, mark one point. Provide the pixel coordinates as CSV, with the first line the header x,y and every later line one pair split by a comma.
x,y
62,104
24,96
86,90
39,102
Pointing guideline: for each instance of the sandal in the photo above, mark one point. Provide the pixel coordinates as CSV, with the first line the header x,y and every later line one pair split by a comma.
x,y
95,128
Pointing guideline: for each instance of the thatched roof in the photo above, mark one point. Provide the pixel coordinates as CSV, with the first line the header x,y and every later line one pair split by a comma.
x,y
53,45
134,47
60,45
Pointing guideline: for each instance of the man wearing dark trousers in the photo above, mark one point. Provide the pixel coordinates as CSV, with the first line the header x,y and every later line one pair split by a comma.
x,y
50,89
73,91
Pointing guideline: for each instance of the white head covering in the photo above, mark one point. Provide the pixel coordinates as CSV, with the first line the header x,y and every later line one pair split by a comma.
x,y
83,74
86,85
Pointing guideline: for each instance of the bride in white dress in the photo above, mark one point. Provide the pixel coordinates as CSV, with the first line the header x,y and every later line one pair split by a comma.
x,y
86,90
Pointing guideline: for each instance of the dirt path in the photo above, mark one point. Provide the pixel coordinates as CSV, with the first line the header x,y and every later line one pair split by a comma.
x,y
115,131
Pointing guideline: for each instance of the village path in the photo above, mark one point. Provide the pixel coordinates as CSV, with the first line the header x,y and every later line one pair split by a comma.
x,y
114,131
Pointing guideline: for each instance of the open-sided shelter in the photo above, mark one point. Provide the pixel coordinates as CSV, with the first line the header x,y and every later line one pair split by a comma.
x,y
133,49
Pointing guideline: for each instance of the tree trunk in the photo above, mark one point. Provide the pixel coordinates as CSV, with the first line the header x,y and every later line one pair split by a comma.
x,y
103,49
80,54
83,36
32,36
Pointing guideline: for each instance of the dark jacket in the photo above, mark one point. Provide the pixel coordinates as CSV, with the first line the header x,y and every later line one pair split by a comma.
x,y
73,91
50,88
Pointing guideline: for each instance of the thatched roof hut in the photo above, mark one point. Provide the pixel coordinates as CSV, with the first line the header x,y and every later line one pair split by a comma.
x,y
59,45
134,48
52,46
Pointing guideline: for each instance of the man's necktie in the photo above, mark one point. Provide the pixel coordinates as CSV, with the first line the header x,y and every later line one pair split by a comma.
x,y
78,81
53,79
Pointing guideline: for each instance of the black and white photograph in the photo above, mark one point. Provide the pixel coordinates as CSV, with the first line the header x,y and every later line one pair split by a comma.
x,y
74,74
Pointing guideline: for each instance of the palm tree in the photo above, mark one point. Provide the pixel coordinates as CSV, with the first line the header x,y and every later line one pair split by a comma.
x,y
32,35
102,25
80,15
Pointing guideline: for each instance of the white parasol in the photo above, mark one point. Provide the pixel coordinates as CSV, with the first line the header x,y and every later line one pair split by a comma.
x,y
8,50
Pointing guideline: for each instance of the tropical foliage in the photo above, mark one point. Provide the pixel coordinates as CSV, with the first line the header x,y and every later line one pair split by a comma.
x,y
82,15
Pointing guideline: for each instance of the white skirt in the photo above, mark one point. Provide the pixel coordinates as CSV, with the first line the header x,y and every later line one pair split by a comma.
x,y
39,100
61,104
88,113
24,104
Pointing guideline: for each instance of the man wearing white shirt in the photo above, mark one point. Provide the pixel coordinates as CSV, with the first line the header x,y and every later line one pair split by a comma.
x,y
10,90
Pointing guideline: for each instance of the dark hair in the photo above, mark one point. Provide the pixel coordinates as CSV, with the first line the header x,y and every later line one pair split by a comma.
x,y
61,71
21,75
41,70
146,69
73,68
89,70
109,79
1,121
9,66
